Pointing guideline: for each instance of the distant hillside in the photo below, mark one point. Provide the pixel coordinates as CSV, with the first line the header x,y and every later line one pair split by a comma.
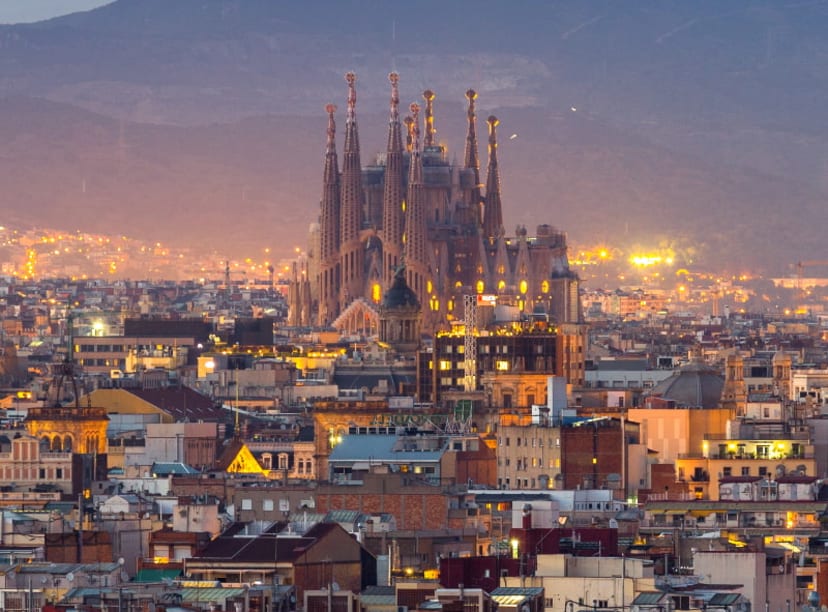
x,y
698,123
258,181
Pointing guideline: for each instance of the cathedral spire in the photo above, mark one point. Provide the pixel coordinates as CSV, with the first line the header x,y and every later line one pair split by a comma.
x,y
409,136
393,217
415,170
428,139
331,162
394,78
351,251
415,222
493,211
329,228
472,162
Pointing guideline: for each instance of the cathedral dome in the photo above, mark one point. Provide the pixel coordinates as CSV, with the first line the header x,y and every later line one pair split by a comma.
x,y
399,294
695,385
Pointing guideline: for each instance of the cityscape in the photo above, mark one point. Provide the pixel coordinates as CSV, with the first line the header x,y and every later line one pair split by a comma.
x,y
415,388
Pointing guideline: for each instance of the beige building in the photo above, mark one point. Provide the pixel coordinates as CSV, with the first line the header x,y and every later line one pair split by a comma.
x,y
721,458
29,464
105,354
768,580
677,432
528,455
588,582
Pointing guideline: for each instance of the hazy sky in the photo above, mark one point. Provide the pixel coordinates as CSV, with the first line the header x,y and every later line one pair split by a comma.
x,y
18,11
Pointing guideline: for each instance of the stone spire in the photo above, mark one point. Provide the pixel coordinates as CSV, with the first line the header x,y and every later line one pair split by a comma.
x,y
472,162
329,228
493,212
415,224
428,140
393,217
351,252
409,136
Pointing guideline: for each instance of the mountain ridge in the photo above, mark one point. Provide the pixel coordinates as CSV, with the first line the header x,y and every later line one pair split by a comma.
x,y
691,123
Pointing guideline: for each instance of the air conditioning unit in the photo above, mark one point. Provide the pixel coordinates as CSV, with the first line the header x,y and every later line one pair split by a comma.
x,y
307,503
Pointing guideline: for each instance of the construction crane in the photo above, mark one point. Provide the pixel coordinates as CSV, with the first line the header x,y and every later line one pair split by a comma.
x,y
470,342
470,304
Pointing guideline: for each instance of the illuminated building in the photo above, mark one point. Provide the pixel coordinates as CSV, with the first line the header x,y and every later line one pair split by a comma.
x,y
399,315
413,205
520,354
64,433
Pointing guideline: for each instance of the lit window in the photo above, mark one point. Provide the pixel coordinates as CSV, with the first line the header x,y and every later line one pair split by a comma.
x,y
502,365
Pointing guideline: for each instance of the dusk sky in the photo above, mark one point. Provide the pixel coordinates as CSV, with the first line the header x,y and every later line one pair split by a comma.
x,y
19,11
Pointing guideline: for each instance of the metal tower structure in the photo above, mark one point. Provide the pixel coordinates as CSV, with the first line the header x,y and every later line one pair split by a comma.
x,y
470,344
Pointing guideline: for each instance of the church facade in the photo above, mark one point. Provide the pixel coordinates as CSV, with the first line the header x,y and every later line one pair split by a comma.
x,y
439,219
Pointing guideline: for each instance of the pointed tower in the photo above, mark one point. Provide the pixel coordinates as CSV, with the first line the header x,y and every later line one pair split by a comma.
x,y
294,298
472,162
428,140
409,134
493,211
415,223
734,392
393,215
782,364
350,248
329,230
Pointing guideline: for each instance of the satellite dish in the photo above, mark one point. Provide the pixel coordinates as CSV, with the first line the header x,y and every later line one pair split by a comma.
x,y
121,561
70,577
43,580
335,586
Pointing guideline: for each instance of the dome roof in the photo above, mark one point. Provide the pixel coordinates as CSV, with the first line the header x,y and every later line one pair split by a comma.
x,y
695,385
399,294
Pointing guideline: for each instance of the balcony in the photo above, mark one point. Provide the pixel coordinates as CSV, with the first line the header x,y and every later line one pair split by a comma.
x,y
753,456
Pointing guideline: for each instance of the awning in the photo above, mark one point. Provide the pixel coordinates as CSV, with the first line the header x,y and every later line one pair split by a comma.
x,y
215,595
156,575
701,512
675,512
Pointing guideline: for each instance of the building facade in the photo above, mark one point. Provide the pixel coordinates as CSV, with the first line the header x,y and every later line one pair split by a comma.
x,y
413,205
